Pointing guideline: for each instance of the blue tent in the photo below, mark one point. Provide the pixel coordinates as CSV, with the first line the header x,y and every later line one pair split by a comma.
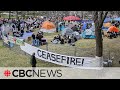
x,y
84,26
107,20
89,33
117,19
62,28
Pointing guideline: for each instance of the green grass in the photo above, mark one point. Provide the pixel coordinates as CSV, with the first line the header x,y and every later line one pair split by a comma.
x,y
10,58
84,47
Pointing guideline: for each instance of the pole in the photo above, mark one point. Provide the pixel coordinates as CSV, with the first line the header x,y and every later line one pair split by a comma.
x,y
47,46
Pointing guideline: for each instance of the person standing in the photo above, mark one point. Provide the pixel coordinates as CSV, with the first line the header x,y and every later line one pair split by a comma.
x,y
33,61
37,40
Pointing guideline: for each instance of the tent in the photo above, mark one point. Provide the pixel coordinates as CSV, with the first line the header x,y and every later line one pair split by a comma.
x,y
5,29
62,27
113,29
77,35
107,20
106,26
116,19
67,31
48,26
89,33
84,26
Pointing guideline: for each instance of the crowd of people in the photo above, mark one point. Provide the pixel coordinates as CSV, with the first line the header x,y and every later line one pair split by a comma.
x,y
19,26
59,39
38,39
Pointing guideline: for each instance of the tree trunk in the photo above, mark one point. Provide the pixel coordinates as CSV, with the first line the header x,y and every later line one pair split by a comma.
x,y
16,14
9,14
99,42
0,15
99,17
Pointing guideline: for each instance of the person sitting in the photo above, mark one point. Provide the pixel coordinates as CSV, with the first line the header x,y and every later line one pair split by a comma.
x,y
75,28
17,34
43,41
40,36
31,29
55,40
65,38
22,32
14,31
69,40
62,41
59,37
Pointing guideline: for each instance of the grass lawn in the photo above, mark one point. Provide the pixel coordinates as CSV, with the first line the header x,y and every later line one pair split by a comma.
x,y
84,47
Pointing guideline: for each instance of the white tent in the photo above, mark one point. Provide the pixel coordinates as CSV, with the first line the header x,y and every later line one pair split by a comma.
x,y
67,31
76,34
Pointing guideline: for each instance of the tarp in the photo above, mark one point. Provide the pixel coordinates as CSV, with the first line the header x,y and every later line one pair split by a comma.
x,y
26,35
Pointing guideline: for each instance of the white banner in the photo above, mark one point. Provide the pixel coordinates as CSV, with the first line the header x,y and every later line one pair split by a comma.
x,y
59,59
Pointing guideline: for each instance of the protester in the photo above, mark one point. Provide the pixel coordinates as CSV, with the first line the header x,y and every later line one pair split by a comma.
x,y
33,61
37,40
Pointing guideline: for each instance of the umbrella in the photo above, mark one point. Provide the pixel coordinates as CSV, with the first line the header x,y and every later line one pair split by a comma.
x,y
69,18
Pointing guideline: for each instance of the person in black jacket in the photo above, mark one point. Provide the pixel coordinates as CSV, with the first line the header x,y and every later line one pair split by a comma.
x,y
33,60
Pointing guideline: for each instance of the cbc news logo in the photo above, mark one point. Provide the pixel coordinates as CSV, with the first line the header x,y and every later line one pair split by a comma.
x,y
48,73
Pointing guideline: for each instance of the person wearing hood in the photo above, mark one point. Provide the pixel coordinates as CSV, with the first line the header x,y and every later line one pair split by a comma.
x,y
33,61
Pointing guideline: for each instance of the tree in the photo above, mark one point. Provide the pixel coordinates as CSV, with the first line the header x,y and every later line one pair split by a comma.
x,y
9,14
16,14
0,14
98,18
23,14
